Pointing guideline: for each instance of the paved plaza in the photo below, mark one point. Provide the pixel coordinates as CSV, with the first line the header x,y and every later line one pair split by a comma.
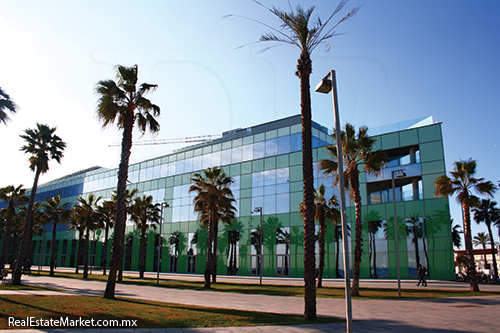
x,y
460,314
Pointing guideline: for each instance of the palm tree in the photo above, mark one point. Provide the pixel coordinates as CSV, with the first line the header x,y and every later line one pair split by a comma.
x,y
42,145
482,239
463,183
55,212
88,216
298,29
488,213
323,210
106,215
6,104
357,150
76,224
213,202
125,103
373,228
13,197
146,215
414,228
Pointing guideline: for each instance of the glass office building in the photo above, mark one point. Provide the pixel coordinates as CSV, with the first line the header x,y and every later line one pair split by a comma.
x,y
265,162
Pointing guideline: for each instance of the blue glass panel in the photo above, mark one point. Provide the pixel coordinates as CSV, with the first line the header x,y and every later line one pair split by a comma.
x,y
259,150
284,145
272,147
296,142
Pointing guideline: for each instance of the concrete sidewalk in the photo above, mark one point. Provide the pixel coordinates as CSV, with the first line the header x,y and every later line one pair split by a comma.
x,y
468,314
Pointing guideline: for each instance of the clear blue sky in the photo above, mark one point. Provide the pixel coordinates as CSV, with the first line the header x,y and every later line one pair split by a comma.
x,y
399,60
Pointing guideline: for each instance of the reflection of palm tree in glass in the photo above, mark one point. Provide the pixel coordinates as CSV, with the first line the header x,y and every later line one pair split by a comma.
x,y
414,227
255,241
283,237
373,228
233,239
338,238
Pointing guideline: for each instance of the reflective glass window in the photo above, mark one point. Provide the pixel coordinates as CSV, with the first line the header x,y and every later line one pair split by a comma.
x,y
296,142
207,161
271,147
259,149
270,177
257,191
270,205
164,170
216,159
179,165
282,203
226,157
236,154
197,163
258,179
284,145
172,168
247,153
282,175
282,188
156,172
270,190
142,175
188,165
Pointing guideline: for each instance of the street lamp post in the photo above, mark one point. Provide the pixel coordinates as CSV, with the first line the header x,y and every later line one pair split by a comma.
x,y
261,267
400,174
329,83
163,205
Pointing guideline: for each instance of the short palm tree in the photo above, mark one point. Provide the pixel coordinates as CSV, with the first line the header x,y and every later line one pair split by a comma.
x,y
462,184
122,101
55,212
42,144
146,215
89,220
482,239
13,198
357,150
324,210
488,213
298,29
213,201
373,228
106,215
6,104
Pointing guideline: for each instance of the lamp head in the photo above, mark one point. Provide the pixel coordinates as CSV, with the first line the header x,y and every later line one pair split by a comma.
x,y
325,86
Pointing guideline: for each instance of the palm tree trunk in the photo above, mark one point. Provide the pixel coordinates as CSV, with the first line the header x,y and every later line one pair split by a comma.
x,y
6,239
484,256
105,250
53,250
494,259
322,232
471,265
142,251
354,180
214,259
208,263
121,207
337,258
86,256
25,246
370,251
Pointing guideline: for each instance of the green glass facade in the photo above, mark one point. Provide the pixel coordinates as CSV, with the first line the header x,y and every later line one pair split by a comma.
x,y
265,162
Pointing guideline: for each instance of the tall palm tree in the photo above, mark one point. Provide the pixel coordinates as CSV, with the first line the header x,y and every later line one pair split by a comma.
x,y
323,210
357,150
482,239
488,213
106,215
55,212
213,202
122,101
146,215
88,216
463,183
6,104
298,29
13,197
42,144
